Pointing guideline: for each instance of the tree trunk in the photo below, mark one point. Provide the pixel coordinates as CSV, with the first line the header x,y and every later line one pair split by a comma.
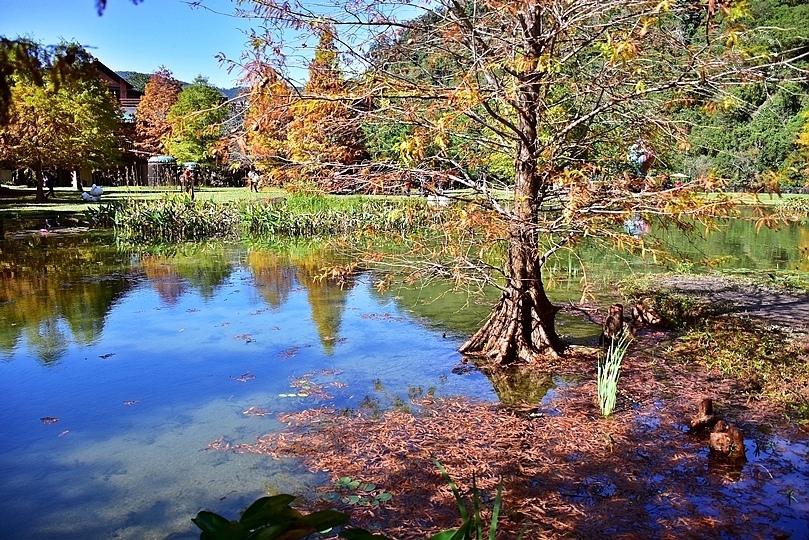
x,y
40,183
522,324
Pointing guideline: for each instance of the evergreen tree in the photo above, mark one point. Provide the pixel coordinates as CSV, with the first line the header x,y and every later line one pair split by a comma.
x,y
268,115
324,129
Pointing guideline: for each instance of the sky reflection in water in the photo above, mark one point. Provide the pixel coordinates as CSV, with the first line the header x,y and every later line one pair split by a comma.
x,y
144,364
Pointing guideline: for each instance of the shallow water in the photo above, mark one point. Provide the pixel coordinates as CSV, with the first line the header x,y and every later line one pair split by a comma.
x,y
144,360
141,387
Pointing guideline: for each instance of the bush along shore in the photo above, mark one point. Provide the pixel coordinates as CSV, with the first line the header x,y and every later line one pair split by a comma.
x,y
179,219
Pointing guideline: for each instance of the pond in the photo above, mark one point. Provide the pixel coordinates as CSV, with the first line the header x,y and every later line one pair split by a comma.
x,y
118,370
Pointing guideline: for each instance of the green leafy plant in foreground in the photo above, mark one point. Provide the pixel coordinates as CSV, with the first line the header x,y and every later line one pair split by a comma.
x,y
268,518
609,371
271,518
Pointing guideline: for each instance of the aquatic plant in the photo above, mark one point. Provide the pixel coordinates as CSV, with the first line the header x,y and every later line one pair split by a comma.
x,y
300,215
174,219
609,371
472,523
356,493
312,215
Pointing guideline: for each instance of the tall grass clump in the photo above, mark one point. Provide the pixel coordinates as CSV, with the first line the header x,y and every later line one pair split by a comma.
x,y
314,215
472,523
299,215
174,219
609,371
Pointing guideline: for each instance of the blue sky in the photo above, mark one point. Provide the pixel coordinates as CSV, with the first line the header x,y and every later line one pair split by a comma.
x,y
140,37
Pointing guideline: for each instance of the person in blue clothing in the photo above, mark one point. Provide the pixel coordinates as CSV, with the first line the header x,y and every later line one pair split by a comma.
x,y
640,158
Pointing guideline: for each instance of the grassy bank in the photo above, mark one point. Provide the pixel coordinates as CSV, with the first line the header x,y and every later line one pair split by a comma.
x,y
20,202
177,218
736,329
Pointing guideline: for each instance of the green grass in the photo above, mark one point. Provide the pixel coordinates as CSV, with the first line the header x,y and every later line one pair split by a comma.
x,y
767,364
20,202
763,199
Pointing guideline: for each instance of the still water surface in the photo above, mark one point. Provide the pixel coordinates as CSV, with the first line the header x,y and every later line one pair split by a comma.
x,y
117,369
145,360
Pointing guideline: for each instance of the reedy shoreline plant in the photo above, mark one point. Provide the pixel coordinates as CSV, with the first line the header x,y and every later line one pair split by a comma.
x,y
609,371
178,219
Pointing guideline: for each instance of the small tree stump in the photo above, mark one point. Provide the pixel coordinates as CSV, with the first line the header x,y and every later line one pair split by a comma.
x,y
645,314
613,327
727,440
705,417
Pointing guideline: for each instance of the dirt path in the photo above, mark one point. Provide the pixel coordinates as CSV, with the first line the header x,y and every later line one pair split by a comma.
x,y
787,310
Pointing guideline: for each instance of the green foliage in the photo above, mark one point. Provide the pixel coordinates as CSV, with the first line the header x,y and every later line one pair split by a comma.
x,y
196,122
472,522
676,309
755,132
177,218
268,518
137,80
609,371
56,120
384,140
756,135
789,18
23,59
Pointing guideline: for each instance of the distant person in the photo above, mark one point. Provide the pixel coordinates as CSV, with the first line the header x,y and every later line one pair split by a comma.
x,y
188,181
253,180
50,183
640,158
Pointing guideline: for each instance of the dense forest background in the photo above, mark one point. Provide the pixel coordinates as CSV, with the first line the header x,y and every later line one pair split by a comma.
x,y
757,138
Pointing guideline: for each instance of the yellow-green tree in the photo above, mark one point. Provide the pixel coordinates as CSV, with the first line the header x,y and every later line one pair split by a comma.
x,y
196,122
54,121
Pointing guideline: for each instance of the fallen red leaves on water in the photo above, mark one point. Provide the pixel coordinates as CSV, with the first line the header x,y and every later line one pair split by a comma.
x,y
566,471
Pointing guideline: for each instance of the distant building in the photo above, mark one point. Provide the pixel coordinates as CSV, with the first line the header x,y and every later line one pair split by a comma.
x,y
123,91
132,170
